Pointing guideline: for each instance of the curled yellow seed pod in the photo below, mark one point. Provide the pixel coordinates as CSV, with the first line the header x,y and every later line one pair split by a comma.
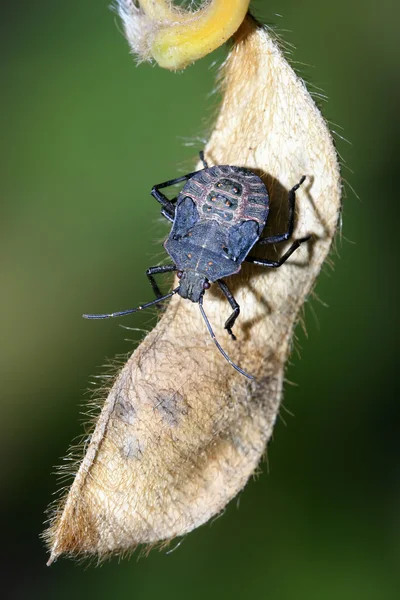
x,y
180,432
174,37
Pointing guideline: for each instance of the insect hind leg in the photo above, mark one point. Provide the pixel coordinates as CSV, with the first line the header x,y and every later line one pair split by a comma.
x,y
168,206
282,237
203,160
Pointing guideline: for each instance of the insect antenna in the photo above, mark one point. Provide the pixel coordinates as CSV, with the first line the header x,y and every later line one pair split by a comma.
x,y
214,339
121,313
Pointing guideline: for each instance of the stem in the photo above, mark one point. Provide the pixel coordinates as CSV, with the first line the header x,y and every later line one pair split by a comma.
x,y
175,37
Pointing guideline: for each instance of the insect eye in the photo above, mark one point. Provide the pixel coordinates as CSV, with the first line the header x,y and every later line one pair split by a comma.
x,y
206,285
179,274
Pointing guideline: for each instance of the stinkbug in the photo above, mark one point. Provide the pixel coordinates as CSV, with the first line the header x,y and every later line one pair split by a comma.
x,y
217,218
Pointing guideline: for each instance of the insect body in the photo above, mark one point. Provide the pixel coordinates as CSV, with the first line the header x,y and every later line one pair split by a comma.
x,y
217,218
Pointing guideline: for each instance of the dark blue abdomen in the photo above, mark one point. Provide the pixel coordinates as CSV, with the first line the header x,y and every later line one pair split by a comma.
x,y
229,194
220,214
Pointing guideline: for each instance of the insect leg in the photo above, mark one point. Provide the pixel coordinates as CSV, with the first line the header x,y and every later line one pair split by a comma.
x,y
281,237
264,262
168,215
168,206
205,163
236,308
155,271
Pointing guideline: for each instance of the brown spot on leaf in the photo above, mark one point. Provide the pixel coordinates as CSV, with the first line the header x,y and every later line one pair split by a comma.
x,y
132,448
124,411
171,406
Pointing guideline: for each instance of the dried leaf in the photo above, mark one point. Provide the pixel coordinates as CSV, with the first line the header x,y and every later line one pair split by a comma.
x,y
181,432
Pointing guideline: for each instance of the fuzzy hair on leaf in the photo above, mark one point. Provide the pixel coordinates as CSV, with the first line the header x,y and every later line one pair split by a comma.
x,y
179,433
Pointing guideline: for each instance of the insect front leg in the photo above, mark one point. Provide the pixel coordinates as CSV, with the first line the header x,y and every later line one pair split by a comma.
x,y
236,308
274,264
281,237
155,271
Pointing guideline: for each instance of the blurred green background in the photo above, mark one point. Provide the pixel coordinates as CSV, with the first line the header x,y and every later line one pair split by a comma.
x,y
85,134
